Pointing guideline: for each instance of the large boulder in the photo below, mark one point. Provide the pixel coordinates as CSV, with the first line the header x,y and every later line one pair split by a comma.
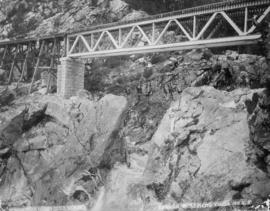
x,y
201,151
2,75
259,123
55,160
6,96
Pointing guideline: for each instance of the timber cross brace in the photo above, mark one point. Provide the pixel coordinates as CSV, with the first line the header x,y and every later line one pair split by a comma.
x,y
30,58
229,23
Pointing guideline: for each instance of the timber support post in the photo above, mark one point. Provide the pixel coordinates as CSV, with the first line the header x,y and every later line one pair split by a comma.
x,y
50,72
24,67
4,56
13,65
37,65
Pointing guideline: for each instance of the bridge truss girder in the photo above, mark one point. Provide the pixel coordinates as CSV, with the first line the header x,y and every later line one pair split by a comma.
x,y
179,32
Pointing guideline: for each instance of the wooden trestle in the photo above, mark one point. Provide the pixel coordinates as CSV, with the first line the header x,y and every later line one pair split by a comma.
x,y
30,59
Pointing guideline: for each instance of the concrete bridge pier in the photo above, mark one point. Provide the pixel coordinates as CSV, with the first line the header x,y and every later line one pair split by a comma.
x,y
70,77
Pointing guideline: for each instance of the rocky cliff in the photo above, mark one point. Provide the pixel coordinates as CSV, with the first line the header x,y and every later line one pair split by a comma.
x,y
55,151
33,18
151,130
22,19
200,153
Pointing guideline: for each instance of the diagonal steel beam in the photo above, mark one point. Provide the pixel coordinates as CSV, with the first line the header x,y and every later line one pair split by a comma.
x,y
74,44
99,39
163,32
206,26
212,33
266,12
144,35
112,39
232,23
183,29
128,36
85,43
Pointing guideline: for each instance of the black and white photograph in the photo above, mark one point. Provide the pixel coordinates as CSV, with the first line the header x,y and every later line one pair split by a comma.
x,y
134,105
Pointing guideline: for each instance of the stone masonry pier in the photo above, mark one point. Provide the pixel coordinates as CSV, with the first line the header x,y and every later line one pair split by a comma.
x,y
70,77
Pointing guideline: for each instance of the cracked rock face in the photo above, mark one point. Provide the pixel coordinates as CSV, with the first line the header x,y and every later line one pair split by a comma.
x,y
259,125
211,145
55,154
38,18
201,150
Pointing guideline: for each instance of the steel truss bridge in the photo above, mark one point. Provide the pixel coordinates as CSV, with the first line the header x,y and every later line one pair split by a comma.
x,y
229,23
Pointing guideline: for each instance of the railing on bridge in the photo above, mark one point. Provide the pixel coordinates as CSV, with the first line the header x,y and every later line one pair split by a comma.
x,y
220,24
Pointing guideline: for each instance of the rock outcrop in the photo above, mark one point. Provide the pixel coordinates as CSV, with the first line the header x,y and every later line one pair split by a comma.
x,y
168,74
259,125
163,143
202,150
152,82
57,151
38,18
6,97
200,153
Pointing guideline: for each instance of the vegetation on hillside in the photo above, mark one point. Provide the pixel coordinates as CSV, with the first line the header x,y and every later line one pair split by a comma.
x,y
18,17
